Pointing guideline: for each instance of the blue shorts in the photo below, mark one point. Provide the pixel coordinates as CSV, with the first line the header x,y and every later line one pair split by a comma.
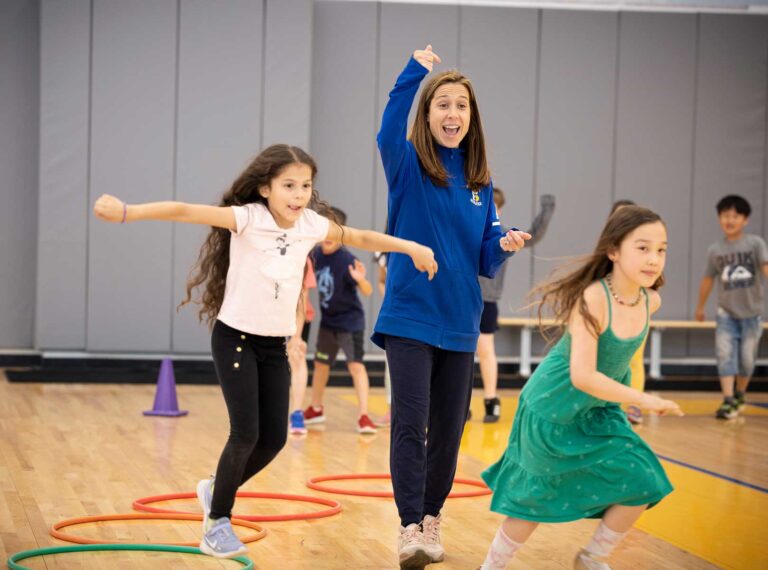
x,y
736,343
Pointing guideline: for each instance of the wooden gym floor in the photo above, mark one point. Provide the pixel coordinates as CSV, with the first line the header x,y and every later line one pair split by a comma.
x,y
69,450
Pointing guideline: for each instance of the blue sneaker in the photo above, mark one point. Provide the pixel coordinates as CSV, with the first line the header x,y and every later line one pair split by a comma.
x,y
297,422
205,496
221,541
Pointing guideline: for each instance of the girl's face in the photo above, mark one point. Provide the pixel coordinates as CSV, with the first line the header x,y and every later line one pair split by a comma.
x,y
641,256
288,194
449,114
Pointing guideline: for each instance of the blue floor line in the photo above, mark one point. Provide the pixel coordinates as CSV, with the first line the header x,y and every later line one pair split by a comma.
x,y
715,474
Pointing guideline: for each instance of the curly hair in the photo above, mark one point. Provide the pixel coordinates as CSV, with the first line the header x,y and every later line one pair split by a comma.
x,y
210,270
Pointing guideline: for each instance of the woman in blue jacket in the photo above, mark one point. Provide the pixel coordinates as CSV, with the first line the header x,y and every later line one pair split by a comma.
x,y
440,194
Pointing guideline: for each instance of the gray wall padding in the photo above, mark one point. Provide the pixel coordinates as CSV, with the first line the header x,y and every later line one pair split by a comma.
x,y
19,151
169,99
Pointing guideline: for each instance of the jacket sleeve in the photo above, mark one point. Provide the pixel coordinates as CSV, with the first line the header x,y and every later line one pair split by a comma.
x,y
391,139
492,257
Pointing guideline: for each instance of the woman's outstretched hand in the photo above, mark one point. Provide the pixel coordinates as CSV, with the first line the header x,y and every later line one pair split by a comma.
x,y
109,209
514,240
427,57
424,259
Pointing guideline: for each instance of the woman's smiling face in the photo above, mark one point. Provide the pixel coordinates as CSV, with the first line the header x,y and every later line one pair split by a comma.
x,y
449,114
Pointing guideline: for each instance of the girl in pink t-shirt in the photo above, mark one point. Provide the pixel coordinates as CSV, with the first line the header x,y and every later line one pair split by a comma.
x,y
251,269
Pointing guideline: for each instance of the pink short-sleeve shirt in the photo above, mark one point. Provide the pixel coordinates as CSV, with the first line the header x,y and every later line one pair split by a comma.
x,y
266,270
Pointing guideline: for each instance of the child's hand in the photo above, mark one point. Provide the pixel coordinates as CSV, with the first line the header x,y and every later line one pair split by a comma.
x,y
514,240
109,209
424,259
427,57
357,271
661,406
699,316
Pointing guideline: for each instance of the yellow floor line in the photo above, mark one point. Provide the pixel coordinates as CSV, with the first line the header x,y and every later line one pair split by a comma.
x,y
714,519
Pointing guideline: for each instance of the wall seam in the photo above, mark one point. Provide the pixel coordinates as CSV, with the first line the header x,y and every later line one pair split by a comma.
x,y
617,76
263,70
89,156
175,175
536,118
692,202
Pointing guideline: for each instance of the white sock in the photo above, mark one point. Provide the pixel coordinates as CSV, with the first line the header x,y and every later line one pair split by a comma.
x,y
604,541
501,551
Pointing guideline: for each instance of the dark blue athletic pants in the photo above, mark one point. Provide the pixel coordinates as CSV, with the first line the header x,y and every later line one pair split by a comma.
x,y
431,389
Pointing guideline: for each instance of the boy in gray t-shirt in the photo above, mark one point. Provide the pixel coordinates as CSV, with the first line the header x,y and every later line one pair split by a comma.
x,y
739,263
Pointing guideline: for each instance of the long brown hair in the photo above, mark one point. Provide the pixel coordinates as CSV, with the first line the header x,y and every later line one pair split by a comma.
x,y
212,263
475,165
562,293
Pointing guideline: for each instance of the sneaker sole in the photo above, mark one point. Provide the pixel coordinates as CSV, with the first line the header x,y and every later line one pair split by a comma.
x,y
490,419
416,561
311,421
367,431
435,558
298,431
200,491
205,549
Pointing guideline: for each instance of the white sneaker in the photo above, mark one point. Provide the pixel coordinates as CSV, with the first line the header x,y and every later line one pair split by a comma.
x,y
411,548
431,529
585,561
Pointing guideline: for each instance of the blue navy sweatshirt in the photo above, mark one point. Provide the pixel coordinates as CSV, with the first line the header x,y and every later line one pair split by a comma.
x,y
460,226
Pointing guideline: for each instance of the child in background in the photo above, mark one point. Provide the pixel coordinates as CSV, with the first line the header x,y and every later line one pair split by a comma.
x,y
737,261
251,268
572,454
297,352
342,324
380,258
491,290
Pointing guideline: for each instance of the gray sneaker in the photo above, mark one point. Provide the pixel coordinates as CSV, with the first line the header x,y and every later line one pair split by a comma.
x,y
221,541
205,496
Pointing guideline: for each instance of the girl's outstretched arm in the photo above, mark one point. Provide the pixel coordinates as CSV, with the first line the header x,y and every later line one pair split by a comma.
x,y
583,363
423,257
111,209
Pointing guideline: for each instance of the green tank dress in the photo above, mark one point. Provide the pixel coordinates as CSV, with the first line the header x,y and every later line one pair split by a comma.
x,y
570,455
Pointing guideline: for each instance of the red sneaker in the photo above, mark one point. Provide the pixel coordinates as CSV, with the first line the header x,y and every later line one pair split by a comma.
x,y
365,425
314,415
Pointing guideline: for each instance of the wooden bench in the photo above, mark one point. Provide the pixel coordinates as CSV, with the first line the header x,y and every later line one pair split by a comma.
x,y
657,329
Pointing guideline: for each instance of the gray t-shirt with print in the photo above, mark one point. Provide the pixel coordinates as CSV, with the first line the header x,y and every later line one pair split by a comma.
x,y
737,267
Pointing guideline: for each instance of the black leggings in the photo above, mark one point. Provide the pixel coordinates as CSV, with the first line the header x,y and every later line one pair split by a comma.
x,y
254,376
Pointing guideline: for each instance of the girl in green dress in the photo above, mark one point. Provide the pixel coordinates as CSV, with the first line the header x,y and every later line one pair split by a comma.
x,y
572,453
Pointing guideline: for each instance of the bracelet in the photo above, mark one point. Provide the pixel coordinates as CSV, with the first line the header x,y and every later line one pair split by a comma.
x,y
125,212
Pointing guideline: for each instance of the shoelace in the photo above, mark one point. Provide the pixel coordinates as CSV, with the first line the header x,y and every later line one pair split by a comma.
x,y
432,531
411,535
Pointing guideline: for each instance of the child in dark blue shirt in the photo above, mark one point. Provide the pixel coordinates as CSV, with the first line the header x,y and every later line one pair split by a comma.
x,y
339,274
